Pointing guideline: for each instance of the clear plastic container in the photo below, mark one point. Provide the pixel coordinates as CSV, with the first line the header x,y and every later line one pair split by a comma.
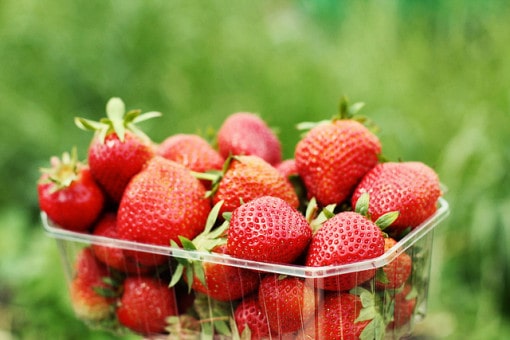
x,y
211,324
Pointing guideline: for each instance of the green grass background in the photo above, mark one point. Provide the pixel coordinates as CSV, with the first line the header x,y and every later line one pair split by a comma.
x,y
435,77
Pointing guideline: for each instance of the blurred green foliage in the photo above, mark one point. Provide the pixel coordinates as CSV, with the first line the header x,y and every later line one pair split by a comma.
x,y
435,77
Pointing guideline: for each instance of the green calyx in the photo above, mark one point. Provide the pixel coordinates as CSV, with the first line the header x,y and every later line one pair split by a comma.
x,y
117,120
316,218
214,176
210,238
376,327
346,111
384,221
63,171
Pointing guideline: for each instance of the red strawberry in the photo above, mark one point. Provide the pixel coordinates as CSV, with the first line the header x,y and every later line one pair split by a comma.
x,y
68,194
334,156
268,229
337,318
412,188
112,256
91,295
118,149
251,320
161,203
405,303
145,305
192,151
345,238
397,271
245,133
250,177
287,302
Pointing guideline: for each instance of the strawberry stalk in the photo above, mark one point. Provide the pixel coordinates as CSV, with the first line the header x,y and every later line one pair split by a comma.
x,y
206,241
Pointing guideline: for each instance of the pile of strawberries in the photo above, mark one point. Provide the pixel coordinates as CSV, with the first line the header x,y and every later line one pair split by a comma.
x,y
335,202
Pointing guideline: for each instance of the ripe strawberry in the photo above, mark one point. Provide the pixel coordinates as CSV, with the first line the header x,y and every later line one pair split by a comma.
x,y
91,296
345,238
412,188
334,156
250,177
397,271
145,305
161,203
114,257
268,229
337,318
245,133
250,320
118,149
68,194
192,151
405,304
287,302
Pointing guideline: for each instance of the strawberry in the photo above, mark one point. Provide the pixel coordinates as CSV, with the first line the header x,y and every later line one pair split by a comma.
x,y
334,155
268,229
345,238
397,271
343,316
248,177
114,257
245,133
250,320
91,294
145,305
68,194
287,302
118,149
412,188
404,306
192,151
161,203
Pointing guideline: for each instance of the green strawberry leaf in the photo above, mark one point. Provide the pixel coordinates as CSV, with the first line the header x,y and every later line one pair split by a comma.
x,y
213,315
187,244
387,219
362,204
375,329
198,272
326,213
176,276
212,217
141,117
380,276
311,210
115,110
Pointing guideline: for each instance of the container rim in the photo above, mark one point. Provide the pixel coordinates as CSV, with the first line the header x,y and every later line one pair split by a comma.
x,y
285,269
